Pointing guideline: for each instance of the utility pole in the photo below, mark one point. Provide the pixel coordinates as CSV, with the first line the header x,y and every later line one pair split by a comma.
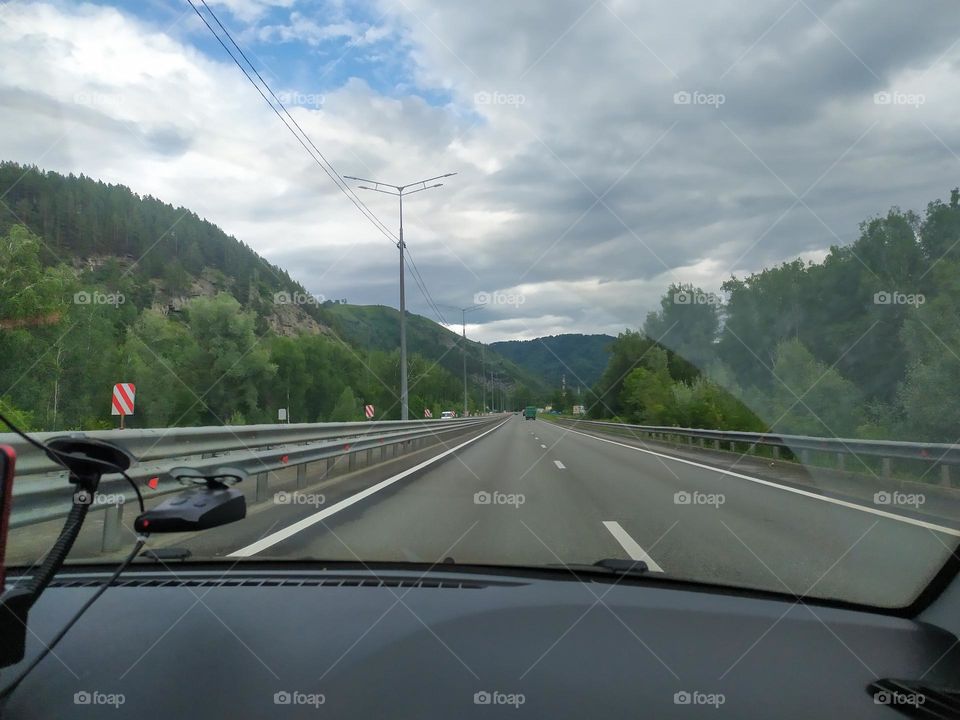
x,y
483,378
399,191
463,320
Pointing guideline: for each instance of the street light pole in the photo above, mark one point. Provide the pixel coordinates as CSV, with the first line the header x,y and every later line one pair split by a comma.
x,y
404,397
463,320
399,191
483,378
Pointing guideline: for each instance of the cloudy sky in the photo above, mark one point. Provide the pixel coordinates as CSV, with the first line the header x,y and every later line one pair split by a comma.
x,y
603,149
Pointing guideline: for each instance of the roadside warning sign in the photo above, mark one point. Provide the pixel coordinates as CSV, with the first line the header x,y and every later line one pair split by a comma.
x,y
123,397
427,413
368,411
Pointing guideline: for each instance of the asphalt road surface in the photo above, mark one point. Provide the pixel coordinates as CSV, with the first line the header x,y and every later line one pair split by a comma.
x,y
534,493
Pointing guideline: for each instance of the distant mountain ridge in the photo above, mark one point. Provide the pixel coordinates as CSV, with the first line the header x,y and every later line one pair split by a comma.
x,y
580,359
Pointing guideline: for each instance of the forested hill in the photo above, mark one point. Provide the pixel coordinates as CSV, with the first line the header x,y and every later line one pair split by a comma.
x,y
865,343
376,327
79,218
581,359
100,285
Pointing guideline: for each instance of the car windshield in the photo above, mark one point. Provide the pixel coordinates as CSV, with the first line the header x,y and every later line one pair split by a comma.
x,y
535,284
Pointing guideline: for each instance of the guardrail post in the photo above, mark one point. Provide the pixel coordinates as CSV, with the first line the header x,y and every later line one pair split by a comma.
x,y
351,462
945,475
112,518
261,487
716,444
886,469
841,461
805,457
733,446
776,452
301,476
369,459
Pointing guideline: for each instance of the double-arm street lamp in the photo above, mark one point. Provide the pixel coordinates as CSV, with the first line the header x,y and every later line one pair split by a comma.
x,y
400,191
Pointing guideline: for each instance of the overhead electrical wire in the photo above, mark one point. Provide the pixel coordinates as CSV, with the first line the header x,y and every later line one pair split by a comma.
x,y
305,140
421,283
322,162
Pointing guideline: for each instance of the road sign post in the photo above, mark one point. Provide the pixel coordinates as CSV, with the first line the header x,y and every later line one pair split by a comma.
x,y
124,395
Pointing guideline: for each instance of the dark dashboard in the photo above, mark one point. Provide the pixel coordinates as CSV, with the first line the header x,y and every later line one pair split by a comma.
x,y
248,641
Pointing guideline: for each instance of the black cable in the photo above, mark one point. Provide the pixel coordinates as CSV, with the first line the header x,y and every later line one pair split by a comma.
x,y
36,443
55,557
70,623
135,489
349,189
421,284
48,451
358,203
342,185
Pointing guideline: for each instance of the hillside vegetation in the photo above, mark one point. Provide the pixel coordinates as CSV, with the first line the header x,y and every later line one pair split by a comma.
x,y
865,343
99,285
579,359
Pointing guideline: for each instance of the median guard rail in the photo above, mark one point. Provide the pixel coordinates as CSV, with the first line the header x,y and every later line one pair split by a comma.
x,y
41,491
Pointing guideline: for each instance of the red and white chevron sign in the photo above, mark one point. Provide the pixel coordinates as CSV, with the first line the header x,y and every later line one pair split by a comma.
x,y
368,411
427,413
123,396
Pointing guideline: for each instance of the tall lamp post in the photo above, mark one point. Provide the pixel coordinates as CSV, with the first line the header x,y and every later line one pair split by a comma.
x,y
463,320
400,191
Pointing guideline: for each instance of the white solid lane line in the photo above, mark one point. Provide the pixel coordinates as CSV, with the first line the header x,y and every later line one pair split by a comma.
x,y
785,488
630,545
559,464
286,532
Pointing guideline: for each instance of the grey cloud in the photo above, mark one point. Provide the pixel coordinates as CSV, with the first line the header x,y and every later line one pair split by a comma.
x,y
697,206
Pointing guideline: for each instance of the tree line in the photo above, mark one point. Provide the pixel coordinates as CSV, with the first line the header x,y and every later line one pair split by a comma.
x,y
66,337
865,343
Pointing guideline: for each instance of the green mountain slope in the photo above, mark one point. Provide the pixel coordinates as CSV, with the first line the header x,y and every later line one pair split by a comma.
x,y
580,358
99,285
377,327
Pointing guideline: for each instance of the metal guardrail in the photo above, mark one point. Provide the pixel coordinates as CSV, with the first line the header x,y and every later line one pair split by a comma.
x,y
162,443
41,491
941,454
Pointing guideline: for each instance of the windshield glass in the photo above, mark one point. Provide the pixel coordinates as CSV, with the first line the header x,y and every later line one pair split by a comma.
x,y
539,284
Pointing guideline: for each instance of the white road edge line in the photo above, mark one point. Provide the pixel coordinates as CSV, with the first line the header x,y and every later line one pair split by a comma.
x,y
786,488
630,545
559,464
284,533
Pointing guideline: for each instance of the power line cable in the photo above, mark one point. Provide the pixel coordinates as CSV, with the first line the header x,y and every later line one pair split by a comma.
x,y
324,164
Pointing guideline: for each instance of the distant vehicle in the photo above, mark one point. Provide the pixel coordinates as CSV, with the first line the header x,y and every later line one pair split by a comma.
x,y
530,412
447,415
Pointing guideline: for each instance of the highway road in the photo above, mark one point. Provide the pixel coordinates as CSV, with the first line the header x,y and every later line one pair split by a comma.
x,y
535,493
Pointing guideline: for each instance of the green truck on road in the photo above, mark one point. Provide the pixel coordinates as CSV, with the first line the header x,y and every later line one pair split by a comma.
x,y
530,412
